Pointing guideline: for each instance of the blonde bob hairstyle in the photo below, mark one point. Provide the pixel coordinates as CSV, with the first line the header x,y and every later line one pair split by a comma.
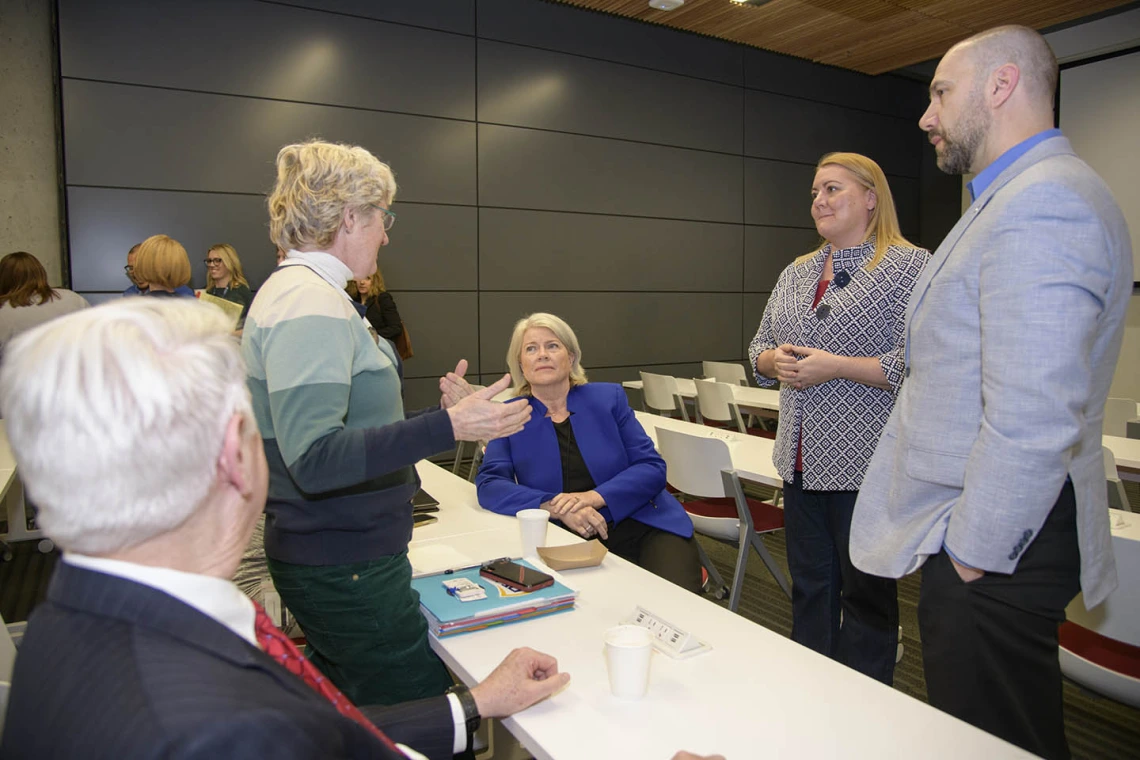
x,y
117,415
162,261
316,183
228,254
884,222
565,335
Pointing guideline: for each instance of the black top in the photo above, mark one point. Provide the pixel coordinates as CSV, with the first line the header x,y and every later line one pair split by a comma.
x,y
384,317
575,477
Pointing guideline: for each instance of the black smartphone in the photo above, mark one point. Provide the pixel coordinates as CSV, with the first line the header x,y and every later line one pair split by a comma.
x,y
424,502
515,576
419,519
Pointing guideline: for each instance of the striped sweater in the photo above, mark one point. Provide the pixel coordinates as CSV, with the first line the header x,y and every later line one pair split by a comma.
x,y
327,402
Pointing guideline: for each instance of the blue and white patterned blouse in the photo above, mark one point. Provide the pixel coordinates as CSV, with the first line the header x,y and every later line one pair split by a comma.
x,y
841,420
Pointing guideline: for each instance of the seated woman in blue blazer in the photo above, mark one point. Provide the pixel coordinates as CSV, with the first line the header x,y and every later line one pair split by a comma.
x,y
585,458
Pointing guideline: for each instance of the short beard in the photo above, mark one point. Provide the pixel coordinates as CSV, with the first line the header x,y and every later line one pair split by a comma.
x,y
958,153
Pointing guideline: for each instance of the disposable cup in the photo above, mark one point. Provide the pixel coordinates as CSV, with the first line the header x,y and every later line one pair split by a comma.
x,y
628,651
532,527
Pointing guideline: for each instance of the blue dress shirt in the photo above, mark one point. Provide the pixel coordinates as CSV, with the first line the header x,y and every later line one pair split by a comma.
x,y
987,175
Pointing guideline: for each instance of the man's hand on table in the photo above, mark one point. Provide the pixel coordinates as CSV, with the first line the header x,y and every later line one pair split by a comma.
x,y
523,678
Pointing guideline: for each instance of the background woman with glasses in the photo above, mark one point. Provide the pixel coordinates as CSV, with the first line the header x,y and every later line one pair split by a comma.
x,y
225,279
832,334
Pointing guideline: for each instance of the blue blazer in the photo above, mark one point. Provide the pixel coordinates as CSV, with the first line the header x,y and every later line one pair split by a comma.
x,y
525,470
110,668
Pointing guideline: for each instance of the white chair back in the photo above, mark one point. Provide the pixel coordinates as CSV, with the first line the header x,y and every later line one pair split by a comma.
x,y
1118,617
717,403
660,393
725,372
1117,496
693,463
1117,412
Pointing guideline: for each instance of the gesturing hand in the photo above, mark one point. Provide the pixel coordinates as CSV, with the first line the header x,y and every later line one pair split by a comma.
x,y
572,502
453,387
817,366
477,418
523,678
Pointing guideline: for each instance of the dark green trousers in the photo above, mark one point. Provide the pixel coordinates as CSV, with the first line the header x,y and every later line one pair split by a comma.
x,y
363,625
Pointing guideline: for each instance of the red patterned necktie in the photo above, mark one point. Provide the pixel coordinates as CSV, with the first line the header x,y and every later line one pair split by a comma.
x,y
278,646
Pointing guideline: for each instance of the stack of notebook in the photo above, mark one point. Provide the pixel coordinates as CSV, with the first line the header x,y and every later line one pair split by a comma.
x,y
448,616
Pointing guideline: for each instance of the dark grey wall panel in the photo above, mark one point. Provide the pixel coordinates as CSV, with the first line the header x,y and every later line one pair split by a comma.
x,y
443,328
887,93
905,191
105,223
525,87
448,15
940,201
124,136
270,51
570,30
432,248
618,329
420,392
777,193
768,250
754,304
804,131
522,168
540,250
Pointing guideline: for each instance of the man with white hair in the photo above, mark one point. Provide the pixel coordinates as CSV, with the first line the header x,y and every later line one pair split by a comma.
x,y
990,469
132,427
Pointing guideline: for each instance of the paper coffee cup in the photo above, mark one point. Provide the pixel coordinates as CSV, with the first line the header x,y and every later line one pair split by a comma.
x,y
532,527
628,651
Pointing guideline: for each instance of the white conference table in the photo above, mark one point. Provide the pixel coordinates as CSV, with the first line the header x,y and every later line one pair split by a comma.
x,y
1127,454
746,397
755,694
12,494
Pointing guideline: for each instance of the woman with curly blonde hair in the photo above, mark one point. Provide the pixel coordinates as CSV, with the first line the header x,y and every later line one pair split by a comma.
x,y
339,444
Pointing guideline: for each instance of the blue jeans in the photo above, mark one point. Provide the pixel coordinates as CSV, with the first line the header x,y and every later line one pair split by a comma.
x,y
837,609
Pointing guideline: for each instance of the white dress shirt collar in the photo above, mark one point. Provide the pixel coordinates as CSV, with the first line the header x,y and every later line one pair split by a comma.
x,y
330,269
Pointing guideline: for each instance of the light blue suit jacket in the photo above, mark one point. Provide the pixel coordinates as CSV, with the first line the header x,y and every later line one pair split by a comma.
x,y
1013,332
525,470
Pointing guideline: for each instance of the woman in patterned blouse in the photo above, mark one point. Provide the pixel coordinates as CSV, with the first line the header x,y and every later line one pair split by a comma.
x,y
832,334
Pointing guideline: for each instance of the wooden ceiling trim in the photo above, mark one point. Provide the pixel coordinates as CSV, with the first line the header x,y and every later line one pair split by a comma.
x,y
869,36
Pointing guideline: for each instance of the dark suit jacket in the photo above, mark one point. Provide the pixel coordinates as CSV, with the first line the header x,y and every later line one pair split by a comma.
x,y
110,668
525,470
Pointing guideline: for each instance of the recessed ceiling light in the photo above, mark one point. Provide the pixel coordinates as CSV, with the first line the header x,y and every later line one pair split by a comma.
x,y
666,5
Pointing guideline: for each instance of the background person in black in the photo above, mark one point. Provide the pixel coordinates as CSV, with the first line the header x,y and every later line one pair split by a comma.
x,y
381,311
225,279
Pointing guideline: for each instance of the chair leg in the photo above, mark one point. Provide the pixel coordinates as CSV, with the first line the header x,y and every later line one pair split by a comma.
x,y
459,445
738,579
476,461
714,576
770,563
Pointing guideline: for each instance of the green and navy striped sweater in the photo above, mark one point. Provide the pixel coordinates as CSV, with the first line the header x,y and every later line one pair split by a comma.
x,y
327,401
